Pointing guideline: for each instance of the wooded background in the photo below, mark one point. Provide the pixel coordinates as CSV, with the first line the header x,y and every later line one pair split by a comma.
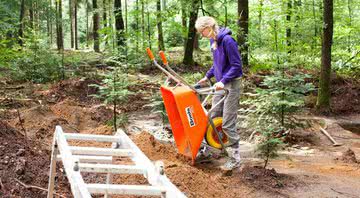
x,y
306,34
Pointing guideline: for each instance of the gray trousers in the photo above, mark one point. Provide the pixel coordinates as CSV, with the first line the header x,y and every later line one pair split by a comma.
x,y
228,110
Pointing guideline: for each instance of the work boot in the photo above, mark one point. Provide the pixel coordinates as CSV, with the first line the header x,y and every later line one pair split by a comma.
x,y
233,160
204,155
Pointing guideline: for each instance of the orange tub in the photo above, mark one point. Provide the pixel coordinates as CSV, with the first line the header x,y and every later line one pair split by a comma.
x,y
187,118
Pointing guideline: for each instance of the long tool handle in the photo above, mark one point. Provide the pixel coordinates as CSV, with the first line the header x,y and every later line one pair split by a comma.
x,y
183,81
329,136
168,73
150,54
163,57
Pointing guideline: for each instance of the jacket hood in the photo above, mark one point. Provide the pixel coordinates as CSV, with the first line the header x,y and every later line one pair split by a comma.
x,y
222,33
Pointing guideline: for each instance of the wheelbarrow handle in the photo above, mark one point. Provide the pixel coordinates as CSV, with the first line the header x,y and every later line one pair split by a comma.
x,y
212,91
167,70
226,92
171,71
163,57
152,58
150,54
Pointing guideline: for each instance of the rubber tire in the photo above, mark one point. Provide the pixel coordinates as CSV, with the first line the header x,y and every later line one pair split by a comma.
x,y
209,134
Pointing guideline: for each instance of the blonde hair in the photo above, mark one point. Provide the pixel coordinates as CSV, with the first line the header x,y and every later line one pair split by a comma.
x,y
208,22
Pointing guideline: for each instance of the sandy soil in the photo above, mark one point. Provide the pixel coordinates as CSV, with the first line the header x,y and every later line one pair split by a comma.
x,y
313,168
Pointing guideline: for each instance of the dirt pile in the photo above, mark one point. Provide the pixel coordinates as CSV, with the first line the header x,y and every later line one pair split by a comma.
x,y
193,181
15,103
142,92
154,149
77,89
265,179
6,129
345,98
302,138
80,117
26,163
207,180
348,156
101,130
39,122
6,114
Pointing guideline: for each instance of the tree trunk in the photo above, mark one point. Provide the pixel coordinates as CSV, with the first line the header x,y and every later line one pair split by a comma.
x,y
57,23
183,16
115,115
276,41
350,24
288,22
31,14
111,25
314,43
260,19
323,100
119,23
183,20
315,21
243,14
196,42
143,23
164,4
87,24
47,11
148,27
225,13
76,25
21,24
161,45
137,25
36,16
105,21
298,10
189,49
321,16
39,12
61,35
126,16
71,7
96,22
59,31
51,24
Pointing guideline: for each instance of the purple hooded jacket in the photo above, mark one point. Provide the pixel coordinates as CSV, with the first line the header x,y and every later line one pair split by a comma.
x,y
227,60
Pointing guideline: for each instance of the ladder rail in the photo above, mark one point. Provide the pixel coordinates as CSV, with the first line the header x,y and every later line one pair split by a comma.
x,y
111,168
89,158
98,138
100,151
52,171
77,159
127,189
155,174
77,184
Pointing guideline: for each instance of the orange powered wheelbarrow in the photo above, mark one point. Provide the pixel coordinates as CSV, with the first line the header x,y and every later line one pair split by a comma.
x,y
190,121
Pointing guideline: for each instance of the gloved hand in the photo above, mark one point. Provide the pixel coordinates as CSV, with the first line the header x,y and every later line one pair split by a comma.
x,y
202,81
219,86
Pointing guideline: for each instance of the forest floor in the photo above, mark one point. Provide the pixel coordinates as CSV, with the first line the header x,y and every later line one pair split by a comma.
x,y
308,167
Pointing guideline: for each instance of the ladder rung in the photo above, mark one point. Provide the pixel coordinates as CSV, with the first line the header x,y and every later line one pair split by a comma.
x,y
126,189
98,138
100,151
90,158
111,168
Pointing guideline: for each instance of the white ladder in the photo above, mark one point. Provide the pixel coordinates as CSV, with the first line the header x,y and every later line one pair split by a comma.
x,y
99,160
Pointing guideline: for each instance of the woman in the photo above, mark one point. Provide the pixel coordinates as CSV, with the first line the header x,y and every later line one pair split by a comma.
x,y
227,69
